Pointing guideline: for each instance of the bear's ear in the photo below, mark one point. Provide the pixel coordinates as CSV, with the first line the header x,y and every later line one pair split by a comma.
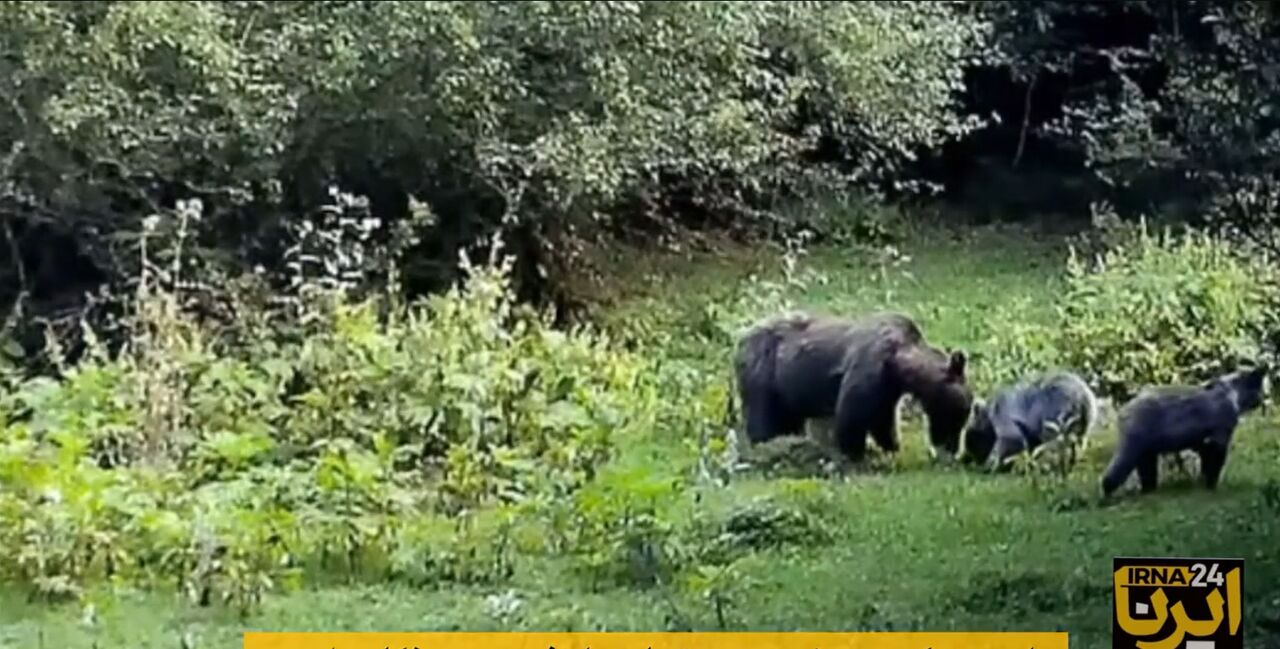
x,y
955,366
1262,369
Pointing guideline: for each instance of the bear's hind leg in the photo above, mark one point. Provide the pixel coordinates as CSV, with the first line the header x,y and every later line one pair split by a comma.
x,y
764,416
1122,464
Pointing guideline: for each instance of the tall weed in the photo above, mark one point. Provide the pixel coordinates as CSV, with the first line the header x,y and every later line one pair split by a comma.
x,y
341,428
1147,308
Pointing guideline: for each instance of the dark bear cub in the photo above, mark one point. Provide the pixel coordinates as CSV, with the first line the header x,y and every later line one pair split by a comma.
x,y
1170,419
1028,415
798,367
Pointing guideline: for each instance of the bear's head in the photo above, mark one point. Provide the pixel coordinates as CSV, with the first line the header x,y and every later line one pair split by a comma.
x,y
1248,387
948,401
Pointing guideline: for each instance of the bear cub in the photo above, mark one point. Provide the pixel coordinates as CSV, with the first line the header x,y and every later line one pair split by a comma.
x,y
1028,415
1166,420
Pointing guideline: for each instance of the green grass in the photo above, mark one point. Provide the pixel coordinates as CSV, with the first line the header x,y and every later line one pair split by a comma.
x,y
915,546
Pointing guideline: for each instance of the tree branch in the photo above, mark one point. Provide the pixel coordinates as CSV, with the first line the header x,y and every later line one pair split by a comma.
x,y
1026,119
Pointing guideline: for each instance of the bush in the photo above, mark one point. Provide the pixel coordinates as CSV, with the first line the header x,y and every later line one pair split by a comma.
x,y
337,449
1150,309
764,524
1165,308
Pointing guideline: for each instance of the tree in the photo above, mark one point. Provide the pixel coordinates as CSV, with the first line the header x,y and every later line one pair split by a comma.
x,y
548,121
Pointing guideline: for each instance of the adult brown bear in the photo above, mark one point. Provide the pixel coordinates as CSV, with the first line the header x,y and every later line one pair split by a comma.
x,y
804,366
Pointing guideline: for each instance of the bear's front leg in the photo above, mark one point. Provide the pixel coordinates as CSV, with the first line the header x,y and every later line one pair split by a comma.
x,y
1007,446
852,441
850,430
1213,456
884,427
862,400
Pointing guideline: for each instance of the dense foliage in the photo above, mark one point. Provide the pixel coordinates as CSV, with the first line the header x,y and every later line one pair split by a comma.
x,y
1148,308
232,470
256,405
1169,104
540,119
560,122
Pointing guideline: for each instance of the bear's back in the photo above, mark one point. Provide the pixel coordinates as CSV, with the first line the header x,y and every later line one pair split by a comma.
x,y
1176,416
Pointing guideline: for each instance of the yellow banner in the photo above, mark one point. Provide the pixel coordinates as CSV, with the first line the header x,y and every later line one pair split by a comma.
x,y
977,640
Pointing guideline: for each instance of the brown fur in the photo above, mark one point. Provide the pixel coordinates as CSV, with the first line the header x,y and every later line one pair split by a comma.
x,y
801,366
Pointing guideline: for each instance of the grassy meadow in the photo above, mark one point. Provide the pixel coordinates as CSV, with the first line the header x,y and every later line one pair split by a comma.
x,y
907,546
254,374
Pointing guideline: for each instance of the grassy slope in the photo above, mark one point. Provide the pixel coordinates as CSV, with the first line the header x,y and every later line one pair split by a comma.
x,y
920,548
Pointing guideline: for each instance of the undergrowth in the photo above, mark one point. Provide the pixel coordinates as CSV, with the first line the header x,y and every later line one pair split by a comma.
x,y
1141,307
331,437
343,436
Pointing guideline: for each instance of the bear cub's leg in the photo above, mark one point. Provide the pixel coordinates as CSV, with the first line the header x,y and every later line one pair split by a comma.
x,y
1213,457
1149,472
1122,465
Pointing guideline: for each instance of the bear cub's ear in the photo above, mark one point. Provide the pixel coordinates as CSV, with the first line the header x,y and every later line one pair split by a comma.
x,y
979,416
1258,376
955,366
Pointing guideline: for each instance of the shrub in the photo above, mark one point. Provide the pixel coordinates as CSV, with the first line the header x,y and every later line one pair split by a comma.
x,y
1165,308
333,449
1015,348
486,394
765,524
621,535
1152,308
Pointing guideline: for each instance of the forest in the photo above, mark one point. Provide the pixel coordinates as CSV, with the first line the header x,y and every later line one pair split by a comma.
x,y
404,316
